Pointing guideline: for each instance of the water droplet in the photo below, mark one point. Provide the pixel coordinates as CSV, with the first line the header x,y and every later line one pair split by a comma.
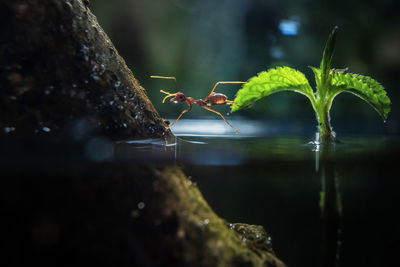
x,y
73,85
152,129
112,52
120,107
84,52
111,102
206,221
102,69
94,76
73,24
124,124
141,205
231,226
46,129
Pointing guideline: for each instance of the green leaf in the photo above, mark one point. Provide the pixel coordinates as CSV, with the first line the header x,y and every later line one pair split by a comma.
x,y
328,54
364,87
269,82
317,75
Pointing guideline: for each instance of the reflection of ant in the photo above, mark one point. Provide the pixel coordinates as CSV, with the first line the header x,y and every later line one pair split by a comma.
x,y
211,100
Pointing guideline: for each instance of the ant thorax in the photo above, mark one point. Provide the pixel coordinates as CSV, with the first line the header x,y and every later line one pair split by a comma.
x,y
201,102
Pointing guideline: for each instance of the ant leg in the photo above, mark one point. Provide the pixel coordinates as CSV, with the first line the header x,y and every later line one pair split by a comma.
x,y
165,77
209,109
231,103
183,112
218,83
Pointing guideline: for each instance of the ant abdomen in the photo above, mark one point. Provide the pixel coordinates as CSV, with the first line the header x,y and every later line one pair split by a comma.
x,y
217,99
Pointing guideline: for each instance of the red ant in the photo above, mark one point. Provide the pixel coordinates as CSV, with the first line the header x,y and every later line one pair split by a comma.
x,y
211,100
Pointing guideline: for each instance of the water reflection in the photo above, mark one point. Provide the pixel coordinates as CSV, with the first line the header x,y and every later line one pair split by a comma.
x,y
291,187
218,128
330,204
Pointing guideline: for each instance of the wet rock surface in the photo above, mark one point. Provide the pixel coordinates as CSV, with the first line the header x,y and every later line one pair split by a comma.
x,y
254,236
60,73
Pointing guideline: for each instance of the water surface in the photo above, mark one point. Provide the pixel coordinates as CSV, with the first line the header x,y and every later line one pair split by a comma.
x,y
274,179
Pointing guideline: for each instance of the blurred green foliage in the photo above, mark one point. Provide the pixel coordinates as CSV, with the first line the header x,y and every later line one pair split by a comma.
x,y
204,41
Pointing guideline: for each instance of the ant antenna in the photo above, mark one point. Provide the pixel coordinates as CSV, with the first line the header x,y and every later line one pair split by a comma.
x,y
168,95
165,77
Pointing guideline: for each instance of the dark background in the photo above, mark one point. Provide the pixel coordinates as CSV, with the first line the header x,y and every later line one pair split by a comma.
x,y
203,41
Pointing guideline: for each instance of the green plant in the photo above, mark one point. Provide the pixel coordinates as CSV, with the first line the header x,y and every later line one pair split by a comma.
x,y
329,83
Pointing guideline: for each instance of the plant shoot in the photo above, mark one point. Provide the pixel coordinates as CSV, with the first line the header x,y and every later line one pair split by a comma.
x,y
329,83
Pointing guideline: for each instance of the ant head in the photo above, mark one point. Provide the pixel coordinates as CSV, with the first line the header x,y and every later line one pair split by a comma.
x,y
179,97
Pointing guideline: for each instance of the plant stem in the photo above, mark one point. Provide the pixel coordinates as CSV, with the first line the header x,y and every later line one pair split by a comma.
x,y
321,104
327,135
323,98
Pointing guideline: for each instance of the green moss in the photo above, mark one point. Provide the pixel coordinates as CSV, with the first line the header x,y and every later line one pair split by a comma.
x,y
221,245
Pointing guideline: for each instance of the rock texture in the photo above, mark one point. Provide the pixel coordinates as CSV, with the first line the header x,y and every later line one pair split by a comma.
x,y
59,72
